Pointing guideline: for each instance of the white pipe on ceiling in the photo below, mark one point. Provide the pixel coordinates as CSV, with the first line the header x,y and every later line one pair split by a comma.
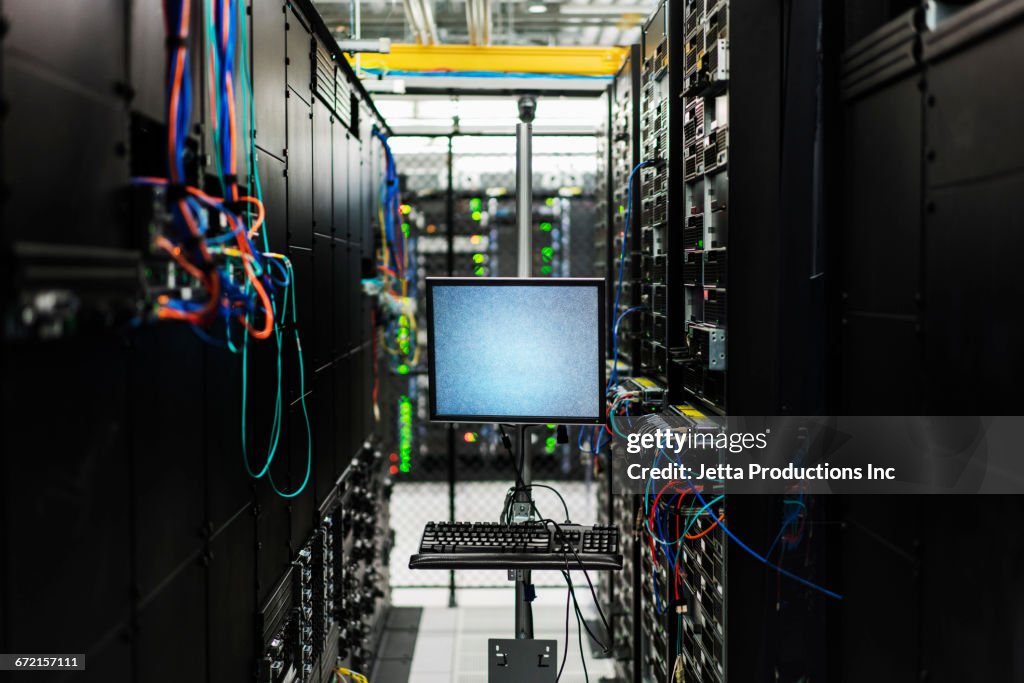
x,y
469,20
412,15
478,21
429,24
473,21
485,28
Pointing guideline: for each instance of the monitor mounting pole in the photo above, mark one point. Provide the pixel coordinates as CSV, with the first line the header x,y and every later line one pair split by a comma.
x,y
522,511
522,503
524,183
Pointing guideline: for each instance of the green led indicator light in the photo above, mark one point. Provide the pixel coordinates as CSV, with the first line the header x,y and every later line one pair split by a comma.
x,y
477,215
550,201
622,209
545,227
404,433
478,258
475,204
700,244
546,254
405,229
552,426
545,270
402,369
479,271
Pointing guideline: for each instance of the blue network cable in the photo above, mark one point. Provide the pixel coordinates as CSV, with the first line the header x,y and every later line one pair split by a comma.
x,y
389,200
597,433
614,376
792,515
224,41
225,35
657,595
753,553
705,508
622,263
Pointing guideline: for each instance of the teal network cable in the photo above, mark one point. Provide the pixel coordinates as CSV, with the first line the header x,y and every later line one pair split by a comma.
x,y
249,116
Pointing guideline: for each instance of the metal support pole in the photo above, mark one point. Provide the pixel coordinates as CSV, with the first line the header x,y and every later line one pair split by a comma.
x,y
522,510
524,197
522,502
449,270
357,32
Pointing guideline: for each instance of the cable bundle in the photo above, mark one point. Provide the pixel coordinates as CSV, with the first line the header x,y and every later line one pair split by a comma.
x,y
596,439
240,284
248,303
342,673
659,540
222,66
394,260
395,284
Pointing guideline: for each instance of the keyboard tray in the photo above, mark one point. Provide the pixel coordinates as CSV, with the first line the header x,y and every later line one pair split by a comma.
x,y
532,560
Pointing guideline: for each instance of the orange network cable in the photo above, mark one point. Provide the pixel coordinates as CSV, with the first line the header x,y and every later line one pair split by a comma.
x,y
705,532
260,215
173,109
179,257
268,310
212,94
243,246
232,133
212,285
179,64
195,317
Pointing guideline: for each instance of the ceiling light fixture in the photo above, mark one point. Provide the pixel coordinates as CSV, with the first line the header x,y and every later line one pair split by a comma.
x,y
537,8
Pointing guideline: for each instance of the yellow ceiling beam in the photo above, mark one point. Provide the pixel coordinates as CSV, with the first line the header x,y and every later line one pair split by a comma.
x,y
581,61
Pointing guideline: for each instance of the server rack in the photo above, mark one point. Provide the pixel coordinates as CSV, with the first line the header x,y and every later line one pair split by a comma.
x,y
625,92
181,550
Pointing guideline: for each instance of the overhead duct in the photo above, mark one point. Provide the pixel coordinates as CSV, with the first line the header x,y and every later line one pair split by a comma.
x,y
410,7
478,21
485,33
420,14
429,24
471,21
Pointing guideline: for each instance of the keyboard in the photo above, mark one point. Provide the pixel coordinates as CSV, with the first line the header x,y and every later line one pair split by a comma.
x,y
529,545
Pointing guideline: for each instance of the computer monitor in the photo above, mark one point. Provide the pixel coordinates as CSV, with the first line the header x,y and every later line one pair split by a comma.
x,y
516,350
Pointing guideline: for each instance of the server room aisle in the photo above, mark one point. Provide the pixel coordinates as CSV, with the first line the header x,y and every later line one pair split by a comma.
x,y
433,643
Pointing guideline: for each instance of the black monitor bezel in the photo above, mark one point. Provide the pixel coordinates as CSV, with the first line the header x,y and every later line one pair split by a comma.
x,y
600,283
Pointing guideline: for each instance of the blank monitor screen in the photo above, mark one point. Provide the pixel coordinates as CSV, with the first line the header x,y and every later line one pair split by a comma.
x,y
524,350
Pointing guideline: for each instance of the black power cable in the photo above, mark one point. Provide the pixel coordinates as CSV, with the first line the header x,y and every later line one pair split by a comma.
x,y
593,591
581,622
565,650
579,633
520,484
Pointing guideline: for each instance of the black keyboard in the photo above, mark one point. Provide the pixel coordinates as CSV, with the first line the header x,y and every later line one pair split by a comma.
x,y
529,545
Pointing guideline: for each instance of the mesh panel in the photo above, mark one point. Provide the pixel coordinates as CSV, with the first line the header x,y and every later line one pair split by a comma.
x,y
462,472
